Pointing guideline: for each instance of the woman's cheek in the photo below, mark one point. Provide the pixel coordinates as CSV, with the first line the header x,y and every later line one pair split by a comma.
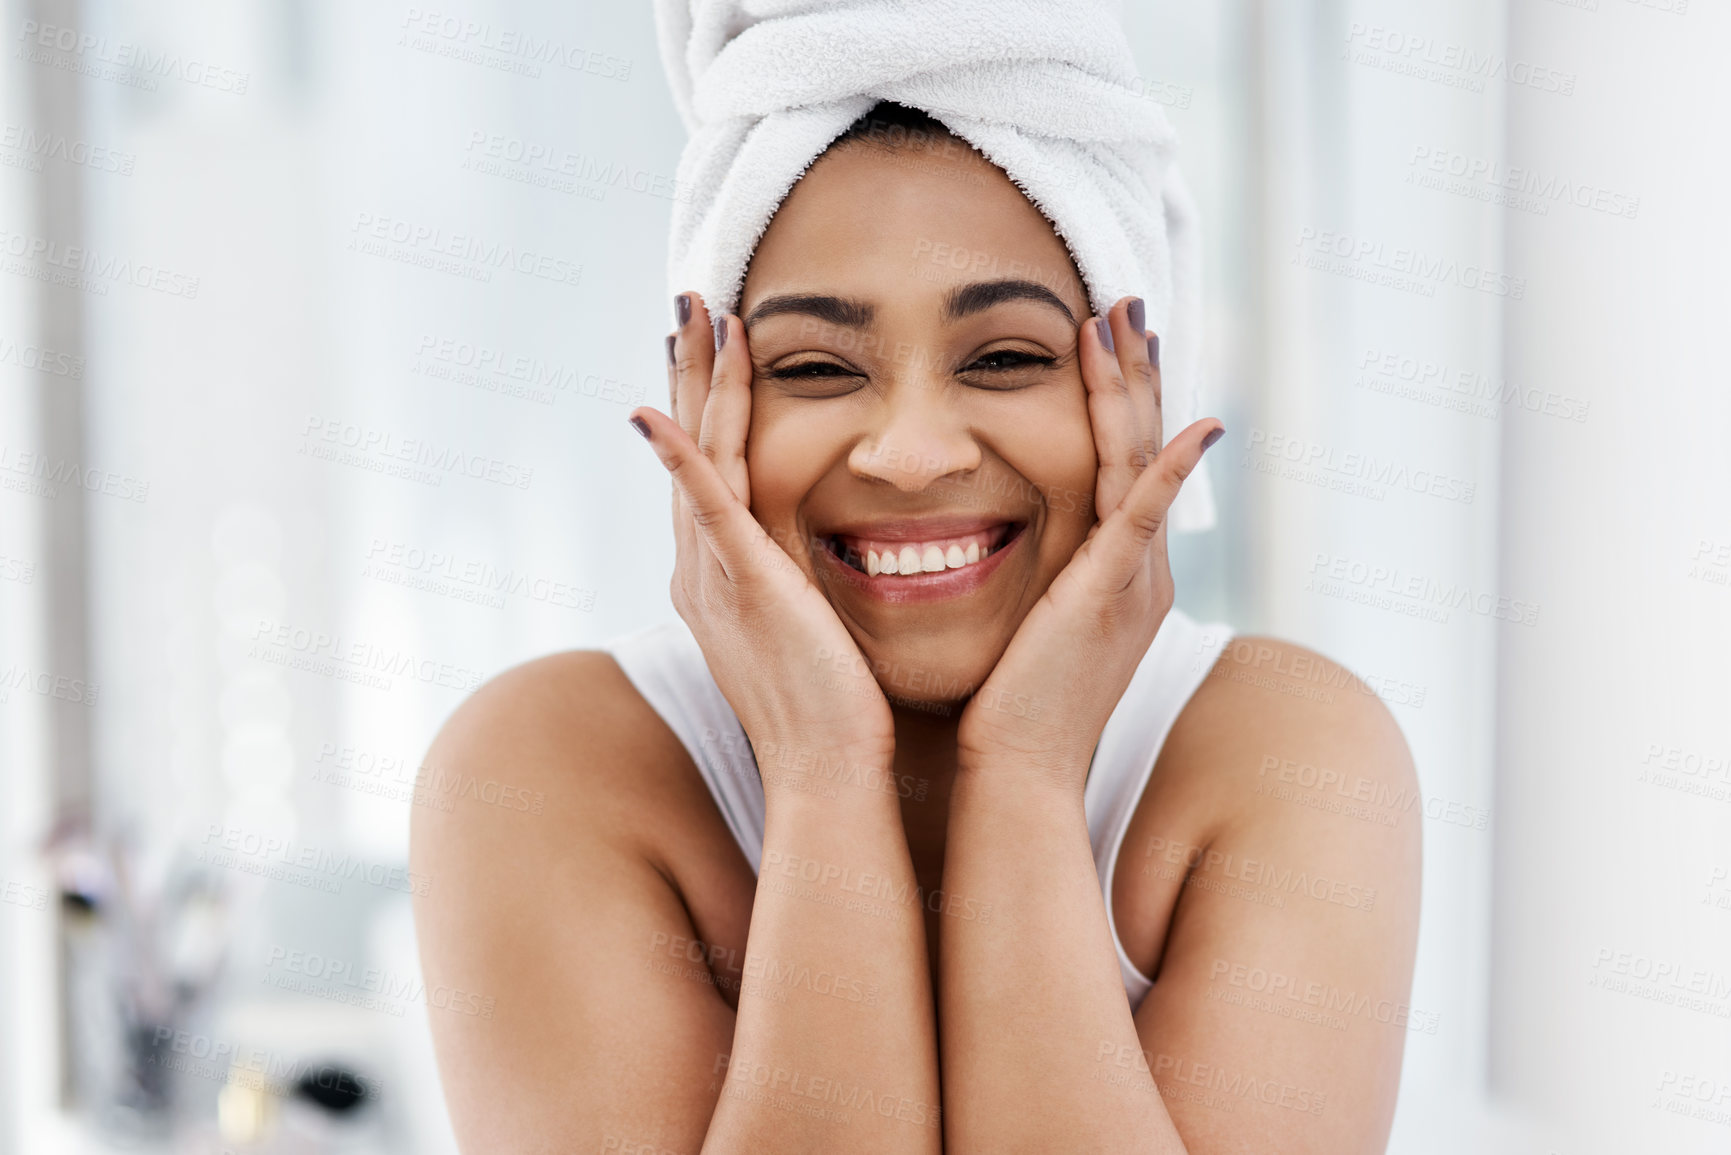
x,y
1056,454
783,463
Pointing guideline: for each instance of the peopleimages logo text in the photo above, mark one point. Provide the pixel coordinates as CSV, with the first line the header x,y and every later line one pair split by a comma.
x,y
1351,256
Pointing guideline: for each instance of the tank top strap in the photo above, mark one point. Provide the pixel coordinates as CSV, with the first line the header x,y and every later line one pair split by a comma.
x,y
666,665
1182,653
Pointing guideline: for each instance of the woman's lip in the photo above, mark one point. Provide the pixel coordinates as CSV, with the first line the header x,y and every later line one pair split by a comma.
x,y
911,529
898,589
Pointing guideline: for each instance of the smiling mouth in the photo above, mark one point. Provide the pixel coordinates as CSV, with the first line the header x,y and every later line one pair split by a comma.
x,y
915,559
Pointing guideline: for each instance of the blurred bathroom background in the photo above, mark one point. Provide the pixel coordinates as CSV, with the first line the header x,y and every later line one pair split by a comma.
x,y
262,261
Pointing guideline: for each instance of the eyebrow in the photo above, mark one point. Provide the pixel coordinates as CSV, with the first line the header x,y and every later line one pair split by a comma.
x,y
836,310
981,295
962,301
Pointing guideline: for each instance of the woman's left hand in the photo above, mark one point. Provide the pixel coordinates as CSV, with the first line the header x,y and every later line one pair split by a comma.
x,y
1045,704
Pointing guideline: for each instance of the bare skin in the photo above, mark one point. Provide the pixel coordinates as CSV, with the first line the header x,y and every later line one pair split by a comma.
x,y
1275,1019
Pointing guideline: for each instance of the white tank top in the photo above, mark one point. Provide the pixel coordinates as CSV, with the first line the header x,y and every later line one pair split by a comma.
x,y
667,667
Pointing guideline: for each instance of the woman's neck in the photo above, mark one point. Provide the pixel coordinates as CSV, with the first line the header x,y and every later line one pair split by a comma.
x,y
925,764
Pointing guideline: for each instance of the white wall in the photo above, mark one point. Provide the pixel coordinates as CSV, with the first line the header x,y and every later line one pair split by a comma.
x,y
1607,851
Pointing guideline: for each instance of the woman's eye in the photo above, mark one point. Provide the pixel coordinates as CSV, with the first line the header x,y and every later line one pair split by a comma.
x,y
811,369
1002,359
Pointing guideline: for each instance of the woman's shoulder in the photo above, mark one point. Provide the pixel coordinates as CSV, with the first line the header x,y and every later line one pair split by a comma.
x,y
547,709
1283,807
1274,714
570,729
1280,755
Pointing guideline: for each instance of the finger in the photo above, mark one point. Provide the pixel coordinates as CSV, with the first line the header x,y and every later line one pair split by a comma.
x,y
685,552
727,413
1153,346
1128,335
720,521
681,314
684,533
1154,359
686,559
1134,533
672,376
1111,415
694,355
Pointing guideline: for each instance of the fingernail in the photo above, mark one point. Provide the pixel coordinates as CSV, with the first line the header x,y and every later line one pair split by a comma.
x,y
1212,438
682,308
640,425
1154,350
1105,332
671,359
720,332
1137,313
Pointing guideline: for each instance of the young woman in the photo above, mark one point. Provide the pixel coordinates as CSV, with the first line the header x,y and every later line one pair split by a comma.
x,y
934,826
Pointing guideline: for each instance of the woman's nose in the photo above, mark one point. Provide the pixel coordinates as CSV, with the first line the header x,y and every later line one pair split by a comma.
x,y
917,438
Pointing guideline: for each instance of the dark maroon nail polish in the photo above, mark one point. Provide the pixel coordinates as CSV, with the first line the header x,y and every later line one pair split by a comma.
x,y
671,338
1212,438
1137,313
682,308
640,425
1105,331
1154,350
720,332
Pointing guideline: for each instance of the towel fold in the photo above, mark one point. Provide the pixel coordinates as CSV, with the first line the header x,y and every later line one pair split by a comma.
x,y
1045,89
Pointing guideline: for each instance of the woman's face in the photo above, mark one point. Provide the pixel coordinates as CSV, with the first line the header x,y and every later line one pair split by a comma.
x,y
912,322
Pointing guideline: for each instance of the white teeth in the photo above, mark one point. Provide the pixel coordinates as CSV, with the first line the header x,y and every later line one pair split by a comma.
x,y
916,558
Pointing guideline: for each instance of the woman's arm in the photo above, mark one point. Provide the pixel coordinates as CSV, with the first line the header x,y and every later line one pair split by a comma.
x,y
575,1030
1280,1009
1278,1017
567,1007
835,1048
1033,1007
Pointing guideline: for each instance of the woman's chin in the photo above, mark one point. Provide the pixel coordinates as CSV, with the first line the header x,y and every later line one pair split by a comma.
x,y
923,707
933,675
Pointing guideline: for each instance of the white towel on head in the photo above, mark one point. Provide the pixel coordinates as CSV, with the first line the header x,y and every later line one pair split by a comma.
x,y
1045,89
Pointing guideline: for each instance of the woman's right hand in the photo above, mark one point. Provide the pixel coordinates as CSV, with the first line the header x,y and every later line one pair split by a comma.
x,y
773,642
